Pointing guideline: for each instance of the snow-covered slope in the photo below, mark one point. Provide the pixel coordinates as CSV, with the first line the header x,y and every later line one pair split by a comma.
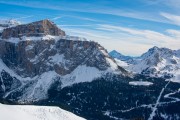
x,y
29,112
158,62
8,23
121,63
36,88
140,83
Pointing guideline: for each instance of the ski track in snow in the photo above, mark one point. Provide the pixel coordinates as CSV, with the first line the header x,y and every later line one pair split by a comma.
x,y
174,98
146,106
157,102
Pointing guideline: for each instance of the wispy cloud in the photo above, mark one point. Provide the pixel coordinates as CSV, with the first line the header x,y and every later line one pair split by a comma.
x,y
92,8
174,33
75,25
148,34
24,17
171,3
90,34
56,18
120,38
151,2
75,17
111,40
174,19
81,18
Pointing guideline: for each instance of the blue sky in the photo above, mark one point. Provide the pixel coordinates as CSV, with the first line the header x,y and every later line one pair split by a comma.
x,y
128,26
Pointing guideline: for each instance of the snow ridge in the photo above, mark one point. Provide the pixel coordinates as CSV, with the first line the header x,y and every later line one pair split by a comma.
x,y
27,112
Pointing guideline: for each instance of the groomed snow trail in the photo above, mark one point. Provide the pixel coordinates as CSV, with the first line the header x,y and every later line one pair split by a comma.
x,y
157,102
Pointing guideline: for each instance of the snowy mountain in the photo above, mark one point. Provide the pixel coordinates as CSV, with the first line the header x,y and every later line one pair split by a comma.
x,y
158,62
30,112
39,54
8,23
41,65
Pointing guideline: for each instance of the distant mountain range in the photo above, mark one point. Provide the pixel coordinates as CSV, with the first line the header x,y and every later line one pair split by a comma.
x,y
156,62
41,65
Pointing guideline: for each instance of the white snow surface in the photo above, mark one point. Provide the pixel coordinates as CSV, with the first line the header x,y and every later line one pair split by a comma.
x,y
29,112
140,83
113,65
7,23
57,58
45,37
39,91
121,63
1,29
176,77
25,38
43,82
82,73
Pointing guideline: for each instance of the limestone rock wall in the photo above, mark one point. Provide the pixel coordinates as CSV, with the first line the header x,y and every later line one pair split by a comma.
x,y
39,28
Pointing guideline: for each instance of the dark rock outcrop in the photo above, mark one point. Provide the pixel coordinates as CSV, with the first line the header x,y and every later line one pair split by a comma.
x,y
31,58
39,28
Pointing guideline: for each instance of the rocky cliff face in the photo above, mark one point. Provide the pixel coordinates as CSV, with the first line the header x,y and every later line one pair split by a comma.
x,y
39,28
32,63
31,58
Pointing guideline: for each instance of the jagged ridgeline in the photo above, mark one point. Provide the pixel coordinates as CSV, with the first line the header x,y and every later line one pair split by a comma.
x,y
39,28
40,64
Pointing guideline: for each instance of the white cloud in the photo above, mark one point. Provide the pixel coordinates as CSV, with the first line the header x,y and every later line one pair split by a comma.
x,y
74,25
127,40
174,19
174,4
148,34
24,17
92,8
174,33
89,34
81,18
56,18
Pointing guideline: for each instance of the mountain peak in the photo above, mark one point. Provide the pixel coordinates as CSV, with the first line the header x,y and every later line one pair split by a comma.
x,y
118,55
115,53
157,51
155,48
36,29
